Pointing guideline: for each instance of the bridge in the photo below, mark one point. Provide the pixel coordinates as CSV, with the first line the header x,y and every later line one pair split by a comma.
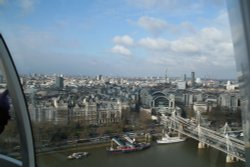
x,y
233,147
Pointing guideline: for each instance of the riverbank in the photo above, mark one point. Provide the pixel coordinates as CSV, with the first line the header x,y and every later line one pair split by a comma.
x,y
80,146
74,148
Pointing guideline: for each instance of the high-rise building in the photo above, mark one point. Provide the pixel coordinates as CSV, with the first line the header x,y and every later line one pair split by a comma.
x,y
166,76
59,82
193,79
99,77
185,77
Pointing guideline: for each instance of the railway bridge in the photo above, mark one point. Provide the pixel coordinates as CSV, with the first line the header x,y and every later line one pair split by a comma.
x,y
220,140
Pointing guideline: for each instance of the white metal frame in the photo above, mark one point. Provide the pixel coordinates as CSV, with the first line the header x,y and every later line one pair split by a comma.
x,y
22,117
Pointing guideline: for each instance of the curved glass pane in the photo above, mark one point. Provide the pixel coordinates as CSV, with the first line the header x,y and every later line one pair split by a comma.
x,y
9,139
10,144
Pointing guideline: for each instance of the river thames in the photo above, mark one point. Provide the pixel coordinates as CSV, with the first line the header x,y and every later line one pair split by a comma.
x,y
172,155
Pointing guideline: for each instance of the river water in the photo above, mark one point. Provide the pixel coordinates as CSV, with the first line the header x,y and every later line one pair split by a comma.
x,y
185,154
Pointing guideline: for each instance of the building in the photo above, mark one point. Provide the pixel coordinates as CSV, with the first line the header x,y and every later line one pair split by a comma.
x,y
188,99
202,107
231,87
198,81
181,85
59,83
109,112
101,112
229,100
166,76
145,98
192,79
99,77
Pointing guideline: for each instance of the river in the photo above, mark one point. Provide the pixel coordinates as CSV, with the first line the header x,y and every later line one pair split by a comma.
x,y
185,154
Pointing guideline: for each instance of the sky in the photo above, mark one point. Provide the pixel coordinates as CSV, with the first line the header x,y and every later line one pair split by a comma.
x,y
119,38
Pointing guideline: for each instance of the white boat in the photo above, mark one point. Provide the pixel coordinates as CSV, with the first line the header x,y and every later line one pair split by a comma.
x,y
166,139
78,155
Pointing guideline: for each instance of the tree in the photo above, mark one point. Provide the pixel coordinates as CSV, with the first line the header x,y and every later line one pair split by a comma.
x,y
190,112
145,119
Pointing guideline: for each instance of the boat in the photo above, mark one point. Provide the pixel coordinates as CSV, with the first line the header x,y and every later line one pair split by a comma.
x,y
126,146
128,149
124,149
78,155
166,139
143,146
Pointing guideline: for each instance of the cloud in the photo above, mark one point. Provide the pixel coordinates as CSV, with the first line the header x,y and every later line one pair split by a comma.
x,y
27,5
153,25
180,44
2,2
123,40
32,49
187,26
158,26
121,45
159,4
176,6
157,44
222,20
172,7
211,34
209,49
185,45
121,50
203,40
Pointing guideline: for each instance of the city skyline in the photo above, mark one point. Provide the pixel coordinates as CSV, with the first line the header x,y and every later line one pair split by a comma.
x,y
125,38
188,78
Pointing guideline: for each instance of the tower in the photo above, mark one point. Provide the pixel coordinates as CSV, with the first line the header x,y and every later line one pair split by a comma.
x,y
166,76
193,79
59,82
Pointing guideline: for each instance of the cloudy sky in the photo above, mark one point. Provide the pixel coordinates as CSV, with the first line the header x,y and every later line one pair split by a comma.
x,y
125,37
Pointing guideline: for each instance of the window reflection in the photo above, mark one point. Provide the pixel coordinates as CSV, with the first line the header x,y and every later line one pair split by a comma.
x,y
9,137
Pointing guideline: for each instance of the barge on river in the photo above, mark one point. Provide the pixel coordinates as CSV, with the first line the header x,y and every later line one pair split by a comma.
x,y
126,145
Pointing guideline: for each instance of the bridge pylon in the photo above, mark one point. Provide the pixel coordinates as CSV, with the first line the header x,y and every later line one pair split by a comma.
x,y
230,158
201,145
201,137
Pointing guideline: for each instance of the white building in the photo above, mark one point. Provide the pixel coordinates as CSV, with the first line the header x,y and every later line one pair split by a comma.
x,y
200,106
231,87
181,85
102,112
229,100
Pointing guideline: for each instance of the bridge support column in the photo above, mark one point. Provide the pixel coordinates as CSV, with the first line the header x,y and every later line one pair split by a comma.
x,y
230,158
201,145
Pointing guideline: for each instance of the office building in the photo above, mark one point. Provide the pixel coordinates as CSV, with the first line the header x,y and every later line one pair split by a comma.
x,y
59,83
181,85
192,79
